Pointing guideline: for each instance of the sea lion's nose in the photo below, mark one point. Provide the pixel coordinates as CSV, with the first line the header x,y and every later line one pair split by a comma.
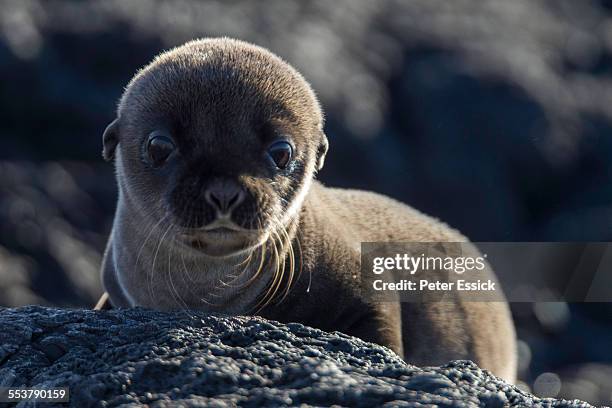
x,y
224,197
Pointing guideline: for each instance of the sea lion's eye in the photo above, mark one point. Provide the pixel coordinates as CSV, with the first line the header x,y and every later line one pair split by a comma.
x,y
280,153
159,148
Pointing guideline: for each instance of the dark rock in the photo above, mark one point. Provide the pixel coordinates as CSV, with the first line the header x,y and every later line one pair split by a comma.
x,y
166,359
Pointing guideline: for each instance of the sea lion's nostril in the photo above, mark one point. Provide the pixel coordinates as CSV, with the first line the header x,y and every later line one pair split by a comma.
x,y
224,198
236,200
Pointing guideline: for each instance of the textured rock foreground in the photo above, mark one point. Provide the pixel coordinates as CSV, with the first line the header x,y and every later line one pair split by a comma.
x,y
139,356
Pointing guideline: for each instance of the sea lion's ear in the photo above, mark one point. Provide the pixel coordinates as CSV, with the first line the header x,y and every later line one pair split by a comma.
x,y
110,140
322,151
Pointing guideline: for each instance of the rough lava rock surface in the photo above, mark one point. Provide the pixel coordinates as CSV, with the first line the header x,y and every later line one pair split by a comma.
x,y
138,356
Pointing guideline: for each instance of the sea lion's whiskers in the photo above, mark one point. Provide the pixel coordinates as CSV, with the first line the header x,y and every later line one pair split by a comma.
x,y
176,295
262,302
278,275
161,240
290,254
235,277
259,268
167,275
186,271
247,259
291,266
215,289
299,244
281,263
147,238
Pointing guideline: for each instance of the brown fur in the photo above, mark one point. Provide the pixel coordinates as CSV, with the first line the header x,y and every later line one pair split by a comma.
x,y
224,100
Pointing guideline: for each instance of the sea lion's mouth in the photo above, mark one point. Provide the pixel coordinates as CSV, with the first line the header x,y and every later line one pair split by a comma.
x,y
221,225
215,243
218,236
221,230
219,240
218,229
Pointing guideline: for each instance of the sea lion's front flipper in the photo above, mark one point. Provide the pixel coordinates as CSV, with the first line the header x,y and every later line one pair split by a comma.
x,y
103,303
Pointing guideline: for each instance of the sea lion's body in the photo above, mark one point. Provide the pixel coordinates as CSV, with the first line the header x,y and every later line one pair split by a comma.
x,y
318,241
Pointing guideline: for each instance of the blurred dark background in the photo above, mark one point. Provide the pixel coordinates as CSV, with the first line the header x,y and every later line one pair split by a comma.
x,y
494,116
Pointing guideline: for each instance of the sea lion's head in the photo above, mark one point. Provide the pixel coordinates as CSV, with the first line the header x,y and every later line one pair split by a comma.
x,y
220,138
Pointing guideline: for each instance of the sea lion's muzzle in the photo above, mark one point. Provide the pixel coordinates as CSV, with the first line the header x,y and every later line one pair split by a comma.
x,y
224,197
221,237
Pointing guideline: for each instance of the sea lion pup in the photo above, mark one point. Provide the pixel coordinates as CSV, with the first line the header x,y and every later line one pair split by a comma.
x,y
216,144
